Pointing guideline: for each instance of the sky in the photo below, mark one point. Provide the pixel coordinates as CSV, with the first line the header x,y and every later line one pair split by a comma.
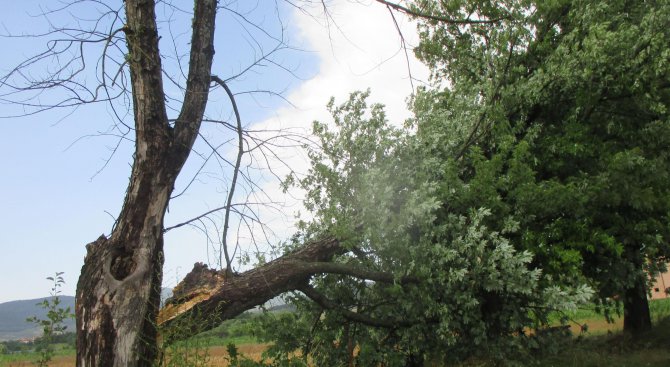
x,y
59,188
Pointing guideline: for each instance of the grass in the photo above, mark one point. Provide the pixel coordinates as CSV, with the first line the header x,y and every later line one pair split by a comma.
x,y
597,325
602,345
617,350
64,356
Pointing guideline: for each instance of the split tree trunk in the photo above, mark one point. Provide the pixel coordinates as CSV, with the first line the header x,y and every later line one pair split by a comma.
x,y
118,289
241,292
211,300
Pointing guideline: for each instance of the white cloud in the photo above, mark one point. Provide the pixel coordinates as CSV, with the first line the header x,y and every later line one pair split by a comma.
x,y
358,48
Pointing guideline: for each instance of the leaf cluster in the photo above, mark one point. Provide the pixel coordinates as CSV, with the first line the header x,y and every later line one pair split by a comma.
x,y
534,172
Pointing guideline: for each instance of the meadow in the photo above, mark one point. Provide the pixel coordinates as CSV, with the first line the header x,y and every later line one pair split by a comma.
x,y
600,343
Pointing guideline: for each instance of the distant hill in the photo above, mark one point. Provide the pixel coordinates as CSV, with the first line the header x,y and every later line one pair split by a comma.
x,y
13,317
13,314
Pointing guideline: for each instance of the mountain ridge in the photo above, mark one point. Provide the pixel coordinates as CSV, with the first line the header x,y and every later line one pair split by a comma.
x,y
13,315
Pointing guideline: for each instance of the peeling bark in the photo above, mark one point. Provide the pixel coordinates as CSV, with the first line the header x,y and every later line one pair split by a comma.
x,y
118,289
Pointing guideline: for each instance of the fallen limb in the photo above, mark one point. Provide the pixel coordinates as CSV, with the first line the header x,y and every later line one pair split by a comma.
x,y
207,307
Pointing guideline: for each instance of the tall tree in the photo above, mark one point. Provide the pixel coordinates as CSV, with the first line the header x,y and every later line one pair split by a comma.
x,y
458,286
567,124
118,293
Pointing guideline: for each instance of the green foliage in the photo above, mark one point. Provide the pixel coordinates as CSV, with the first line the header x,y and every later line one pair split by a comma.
x,y
236,359
194,351
188,353
377,187
556,117
535,168
237,330
53,325
26,355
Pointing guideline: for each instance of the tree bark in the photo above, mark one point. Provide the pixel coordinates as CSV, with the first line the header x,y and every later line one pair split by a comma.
x,y
636,315
241,292
212,300
119,286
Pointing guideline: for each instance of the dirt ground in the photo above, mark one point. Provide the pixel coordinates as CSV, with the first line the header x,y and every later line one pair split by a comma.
x,y
599,327
217,355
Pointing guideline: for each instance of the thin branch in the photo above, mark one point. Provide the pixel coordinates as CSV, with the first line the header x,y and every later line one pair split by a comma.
x,y
356,272
236,169
436,18
403,44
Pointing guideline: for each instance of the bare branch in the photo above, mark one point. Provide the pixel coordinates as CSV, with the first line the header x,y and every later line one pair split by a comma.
x,y
437,18
236,170
198,82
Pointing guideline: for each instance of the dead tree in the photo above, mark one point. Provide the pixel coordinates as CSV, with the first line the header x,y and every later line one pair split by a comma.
x,y
118,290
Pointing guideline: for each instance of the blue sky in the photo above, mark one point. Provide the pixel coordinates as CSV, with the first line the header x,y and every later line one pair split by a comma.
x,y
53,198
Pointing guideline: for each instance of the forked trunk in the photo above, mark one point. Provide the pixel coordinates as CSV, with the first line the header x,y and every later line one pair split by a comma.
x,y
119,286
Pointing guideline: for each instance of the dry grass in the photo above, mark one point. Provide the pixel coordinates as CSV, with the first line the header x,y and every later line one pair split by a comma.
x,y
217,356
59,361
599,326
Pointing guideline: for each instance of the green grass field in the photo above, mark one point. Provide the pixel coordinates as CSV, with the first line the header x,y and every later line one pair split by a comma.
x,y
602,345
617,350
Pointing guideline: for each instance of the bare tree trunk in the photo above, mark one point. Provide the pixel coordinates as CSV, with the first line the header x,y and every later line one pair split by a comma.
x,y
636,315
118,289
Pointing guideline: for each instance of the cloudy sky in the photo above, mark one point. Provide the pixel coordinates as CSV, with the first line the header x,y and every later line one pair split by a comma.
x,y
53,200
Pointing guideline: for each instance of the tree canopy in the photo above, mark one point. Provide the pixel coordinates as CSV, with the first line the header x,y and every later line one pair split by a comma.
x,y
571,133
534,170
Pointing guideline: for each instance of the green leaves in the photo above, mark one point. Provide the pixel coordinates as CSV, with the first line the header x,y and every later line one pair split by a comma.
x,y
533,175
568,95
54,322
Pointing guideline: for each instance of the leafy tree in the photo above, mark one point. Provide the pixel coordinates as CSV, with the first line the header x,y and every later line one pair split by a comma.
x,y
553,117
561,110
458,286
